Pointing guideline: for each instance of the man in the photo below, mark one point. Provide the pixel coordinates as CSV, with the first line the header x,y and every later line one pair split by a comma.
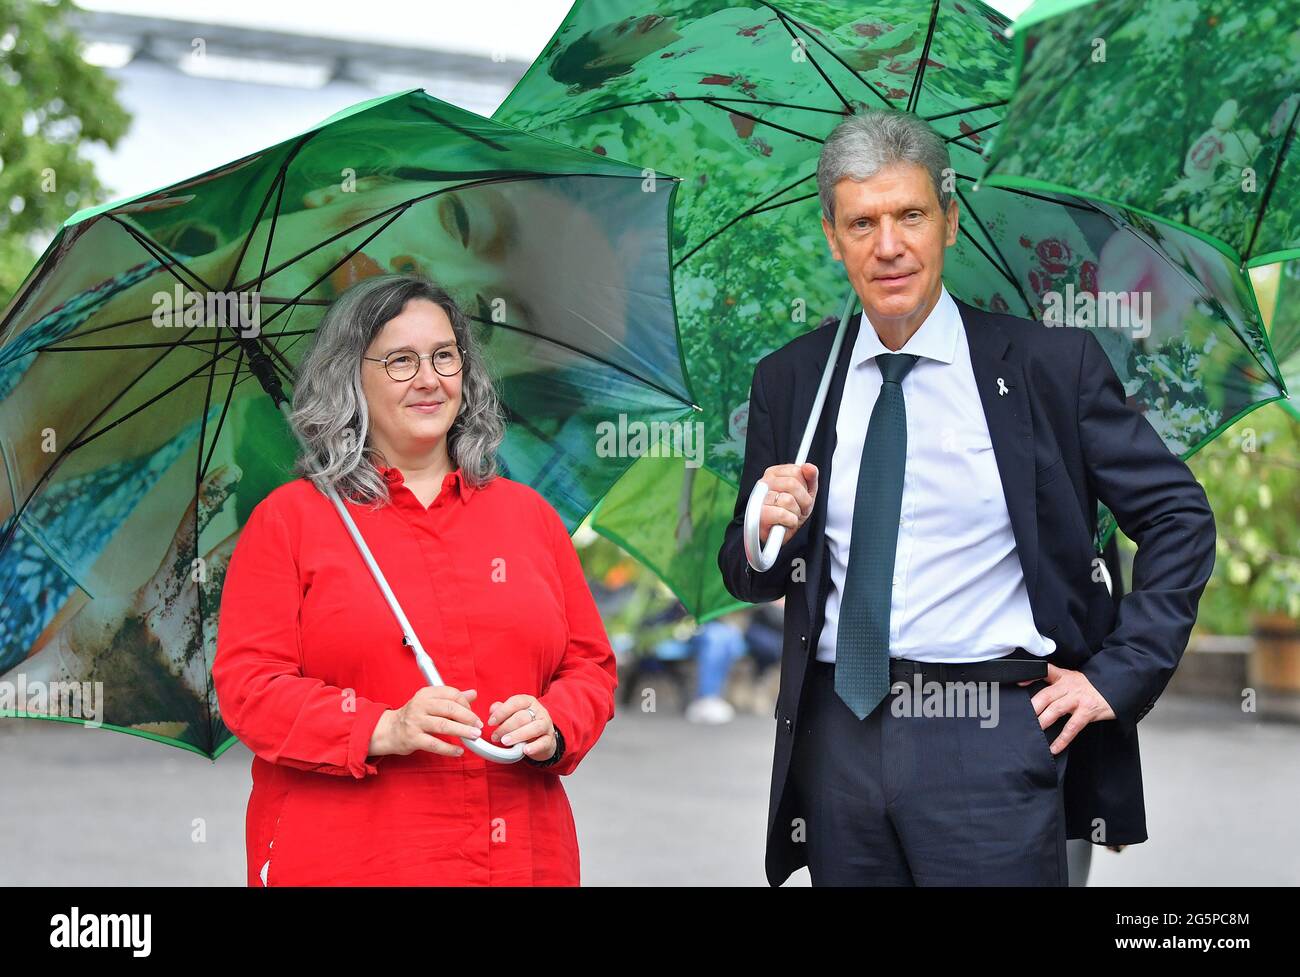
x,y
960,550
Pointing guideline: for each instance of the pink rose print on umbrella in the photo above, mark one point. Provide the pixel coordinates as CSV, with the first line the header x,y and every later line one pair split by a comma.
x,y
1040,282
1088,277
1206,152
1055,255
871,29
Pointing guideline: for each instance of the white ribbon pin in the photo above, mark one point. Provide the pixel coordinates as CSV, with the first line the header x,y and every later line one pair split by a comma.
x,y
1002,387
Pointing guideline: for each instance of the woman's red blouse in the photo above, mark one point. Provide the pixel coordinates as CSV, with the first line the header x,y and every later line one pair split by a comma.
x,y
309,656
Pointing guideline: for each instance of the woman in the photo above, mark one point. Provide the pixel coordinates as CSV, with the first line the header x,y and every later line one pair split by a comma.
x,y
359,776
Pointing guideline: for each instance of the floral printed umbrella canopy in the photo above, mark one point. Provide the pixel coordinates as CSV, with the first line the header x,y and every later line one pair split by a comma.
x,y
1183,109
736,98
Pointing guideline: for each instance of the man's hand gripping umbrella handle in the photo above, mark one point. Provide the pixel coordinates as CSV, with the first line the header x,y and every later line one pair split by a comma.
x,y
762,557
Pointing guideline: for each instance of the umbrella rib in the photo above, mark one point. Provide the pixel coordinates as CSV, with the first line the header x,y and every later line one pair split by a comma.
x,y
761,121
811,60
338,264
119,347
1076,203
135,320
762,203
847,67
276,355
62,455
277,183
273,349
270,234
957,141
457,128
782,203
585,353
1001,271
973,132
967,109
1272,179
1004,266
202,463
221,420
757,209
915,95
81,442
201,466
161,254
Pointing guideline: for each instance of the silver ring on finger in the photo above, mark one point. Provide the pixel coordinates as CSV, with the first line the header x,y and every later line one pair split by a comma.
x,y
531,713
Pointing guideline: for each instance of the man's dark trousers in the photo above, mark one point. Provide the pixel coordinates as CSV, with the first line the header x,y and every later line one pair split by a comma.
x,y
906,799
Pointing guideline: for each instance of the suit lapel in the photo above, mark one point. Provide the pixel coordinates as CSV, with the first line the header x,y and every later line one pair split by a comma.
x,y
997,367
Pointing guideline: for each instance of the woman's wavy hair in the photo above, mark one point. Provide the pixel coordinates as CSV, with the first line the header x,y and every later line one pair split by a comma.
x,y
330,414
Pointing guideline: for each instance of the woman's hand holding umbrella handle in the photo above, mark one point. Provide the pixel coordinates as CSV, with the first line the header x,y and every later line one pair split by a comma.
x,y
435,710
523,719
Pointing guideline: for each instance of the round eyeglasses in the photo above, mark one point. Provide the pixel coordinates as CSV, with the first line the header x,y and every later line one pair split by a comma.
x,y
403,364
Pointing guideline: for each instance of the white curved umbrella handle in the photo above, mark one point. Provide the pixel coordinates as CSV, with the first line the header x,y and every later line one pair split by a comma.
x,y
762,557
488,751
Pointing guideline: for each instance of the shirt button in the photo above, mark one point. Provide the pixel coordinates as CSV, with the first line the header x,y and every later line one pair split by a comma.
x,y
895,581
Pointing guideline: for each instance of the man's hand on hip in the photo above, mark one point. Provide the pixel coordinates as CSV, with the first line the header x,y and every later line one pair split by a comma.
x,y
1068,691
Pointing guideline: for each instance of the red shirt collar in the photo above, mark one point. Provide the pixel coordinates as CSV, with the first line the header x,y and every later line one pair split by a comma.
x,y
394,476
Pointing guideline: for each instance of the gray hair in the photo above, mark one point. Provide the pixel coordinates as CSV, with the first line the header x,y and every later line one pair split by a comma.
x,y
330,414
864,143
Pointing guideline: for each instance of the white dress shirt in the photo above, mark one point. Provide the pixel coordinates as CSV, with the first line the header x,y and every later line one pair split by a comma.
x,y
959,590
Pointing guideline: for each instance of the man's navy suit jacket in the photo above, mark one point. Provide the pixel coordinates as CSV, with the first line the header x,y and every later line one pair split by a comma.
x,y
1064,438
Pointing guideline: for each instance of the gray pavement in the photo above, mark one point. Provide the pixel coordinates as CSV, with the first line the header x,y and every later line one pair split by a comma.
x,y
659,802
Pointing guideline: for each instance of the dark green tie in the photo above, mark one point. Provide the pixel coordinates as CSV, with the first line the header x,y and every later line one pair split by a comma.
x,y
862,642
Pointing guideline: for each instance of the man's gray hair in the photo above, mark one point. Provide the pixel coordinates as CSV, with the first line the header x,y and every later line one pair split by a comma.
x,y
864,143
330,414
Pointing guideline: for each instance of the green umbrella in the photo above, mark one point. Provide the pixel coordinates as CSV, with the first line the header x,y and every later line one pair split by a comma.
x,y
1182,109
1285,333
736,98
134,448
